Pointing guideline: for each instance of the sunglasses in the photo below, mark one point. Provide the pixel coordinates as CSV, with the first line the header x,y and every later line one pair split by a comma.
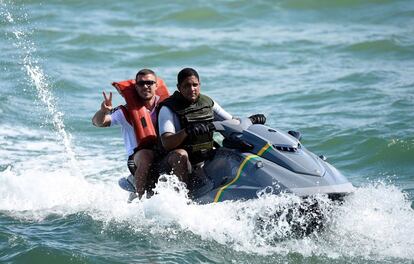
x,y
149,83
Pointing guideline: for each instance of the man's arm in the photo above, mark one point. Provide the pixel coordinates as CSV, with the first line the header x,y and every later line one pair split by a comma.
x,y
171,141
170,130
220,114
102,117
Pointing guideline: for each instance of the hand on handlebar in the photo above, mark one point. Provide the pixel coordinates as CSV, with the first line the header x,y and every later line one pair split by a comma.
x,y
199,129
258,119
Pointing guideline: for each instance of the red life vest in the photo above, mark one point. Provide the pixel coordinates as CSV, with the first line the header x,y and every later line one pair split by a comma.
x,y
136,113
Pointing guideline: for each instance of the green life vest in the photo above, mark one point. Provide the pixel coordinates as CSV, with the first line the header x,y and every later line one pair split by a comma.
x,y
189,113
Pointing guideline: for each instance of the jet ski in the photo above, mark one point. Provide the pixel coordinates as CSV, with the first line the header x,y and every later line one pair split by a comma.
x,y
255,158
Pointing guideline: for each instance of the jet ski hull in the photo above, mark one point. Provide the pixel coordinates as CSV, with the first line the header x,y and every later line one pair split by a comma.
x,y
254,159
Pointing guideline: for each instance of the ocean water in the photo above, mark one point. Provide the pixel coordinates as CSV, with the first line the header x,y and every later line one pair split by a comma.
x,y
340,71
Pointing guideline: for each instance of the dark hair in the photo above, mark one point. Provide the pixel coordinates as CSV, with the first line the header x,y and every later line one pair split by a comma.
x,y
145,72
185,73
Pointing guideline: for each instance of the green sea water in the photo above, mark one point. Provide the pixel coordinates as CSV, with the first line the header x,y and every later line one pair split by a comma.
x,y
341,72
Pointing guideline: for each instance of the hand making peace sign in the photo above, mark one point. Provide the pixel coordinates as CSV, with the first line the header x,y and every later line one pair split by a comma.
x,y
106,105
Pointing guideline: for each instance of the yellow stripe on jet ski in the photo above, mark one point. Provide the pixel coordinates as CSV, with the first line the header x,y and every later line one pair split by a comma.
x,y
264,149
239,171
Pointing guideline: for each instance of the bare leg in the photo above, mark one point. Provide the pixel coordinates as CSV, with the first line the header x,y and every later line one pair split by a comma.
x,y
180,164
143,160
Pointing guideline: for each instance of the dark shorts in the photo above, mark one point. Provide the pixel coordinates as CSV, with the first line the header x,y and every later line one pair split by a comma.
x,y
131,164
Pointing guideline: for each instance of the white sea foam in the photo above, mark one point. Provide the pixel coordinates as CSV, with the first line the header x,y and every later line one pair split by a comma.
x,y
375,222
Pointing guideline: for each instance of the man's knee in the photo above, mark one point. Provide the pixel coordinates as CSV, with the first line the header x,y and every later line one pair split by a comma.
x,y
177,156
145,156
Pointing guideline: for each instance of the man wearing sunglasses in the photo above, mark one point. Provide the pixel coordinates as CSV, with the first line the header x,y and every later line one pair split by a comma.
x,y
139,160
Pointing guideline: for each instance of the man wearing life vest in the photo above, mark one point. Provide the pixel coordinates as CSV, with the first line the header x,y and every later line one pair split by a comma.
x,y
185,126
136,119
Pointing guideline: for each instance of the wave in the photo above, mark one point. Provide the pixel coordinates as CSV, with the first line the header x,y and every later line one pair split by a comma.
x,y
381,47
317,4
373,223
194,14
